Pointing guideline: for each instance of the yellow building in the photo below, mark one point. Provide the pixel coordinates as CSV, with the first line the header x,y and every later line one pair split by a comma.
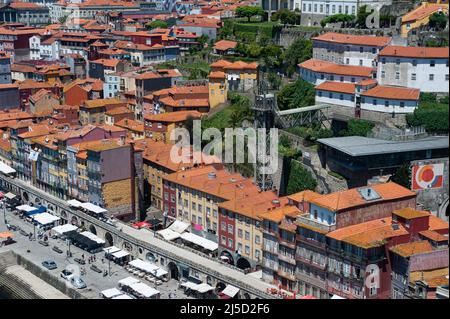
x,y
218,88
421,16
199,192
241,76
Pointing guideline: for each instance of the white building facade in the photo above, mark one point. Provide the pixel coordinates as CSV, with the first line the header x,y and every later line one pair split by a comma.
x,y
426,69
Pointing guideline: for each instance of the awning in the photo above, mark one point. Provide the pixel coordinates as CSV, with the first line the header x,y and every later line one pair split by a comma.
x,y
337,297
93,208
111,249
161,272
144,266
178,226
200,241
6,169
122,296
230,291
74,203
6,234
92,237
168,234
144,290
203,288
120,254
26,208
64,228
9,195
110,293
128,281
188,284
45,218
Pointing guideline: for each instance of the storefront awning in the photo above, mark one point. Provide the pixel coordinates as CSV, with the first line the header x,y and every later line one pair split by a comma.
x,y
120,254
111,249
200,241
9,195
45,218
60,230
26,208
144,290
93,208
178,226
111,293
230,291
6,169
74,203
122,296
93,237
128,281
168,234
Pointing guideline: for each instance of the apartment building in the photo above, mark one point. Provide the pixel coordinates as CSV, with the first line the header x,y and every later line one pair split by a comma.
x,y
348,49
5,68
241,76
421,68
93,111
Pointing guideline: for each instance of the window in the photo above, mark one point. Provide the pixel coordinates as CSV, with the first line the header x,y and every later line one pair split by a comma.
x,y
353,80
431,78
374,102
383,74
360,62
247,250
240,233
330,95
223,240
432,63
397,61
383,60
402,104
397,75
223,226
257,240
239,248
230,229
319,93
413,76
342,79
341,97
230,243
414,62
374,50
347,61
446,77
386,103
247,235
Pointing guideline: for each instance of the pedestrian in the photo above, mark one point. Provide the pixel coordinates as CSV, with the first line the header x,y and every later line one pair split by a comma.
x,y
82,256
103,261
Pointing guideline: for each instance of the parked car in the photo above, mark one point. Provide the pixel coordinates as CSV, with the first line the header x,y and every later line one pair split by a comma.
x,y
96,269
49,264
66,274
80,261
77,282
56,249
43,243
24,233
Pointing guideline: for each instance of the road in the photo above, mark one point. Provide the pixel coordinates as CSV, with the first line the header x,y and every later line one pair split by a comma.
x,y
95,282
144,238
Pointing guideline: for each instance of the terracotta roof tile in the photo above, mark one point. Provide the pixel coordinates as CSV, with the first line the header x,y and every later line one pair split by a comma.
x,y
394,93
409,213
409,249
340,87
415,52
339,69
173,117
353,39
434,236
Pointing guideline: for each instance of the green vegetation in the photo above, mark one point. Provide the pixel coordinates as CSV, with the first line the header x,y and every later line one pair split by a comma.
x,y
300,179
438,21
197,69
403,176
336,175
431,113
362,15
232,116
249,12
299,51
295,95
157,24
433,43
356,127
311,133
274,80
285,148
336,18
285,16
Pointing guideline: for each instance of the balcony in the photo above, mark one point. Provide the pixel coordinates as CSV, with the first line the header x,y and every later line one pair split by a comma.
x,y
270,264
313,281
270,231
271,249
286,275
310,242
312,223
310,262
283,242
287,258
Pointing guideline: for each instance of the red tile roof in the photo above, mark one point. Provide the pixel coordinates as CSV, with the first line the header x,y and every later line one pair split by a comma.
x,y
393,93
332,68
415,52
340,87
353,39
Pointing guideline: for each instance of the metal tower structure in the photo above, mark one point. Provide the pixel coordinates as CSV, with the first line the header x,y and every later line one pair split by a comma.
x,y
263,107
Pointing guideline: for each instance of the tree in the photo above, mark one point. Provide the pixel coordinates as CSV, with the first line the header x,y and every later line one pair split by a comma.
x,y
362,15
274,80
273,56
336,18
356,127
299,51
433,115
156,24
249,12
438,21
300,179
295,95
286,16
403,176
254,50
